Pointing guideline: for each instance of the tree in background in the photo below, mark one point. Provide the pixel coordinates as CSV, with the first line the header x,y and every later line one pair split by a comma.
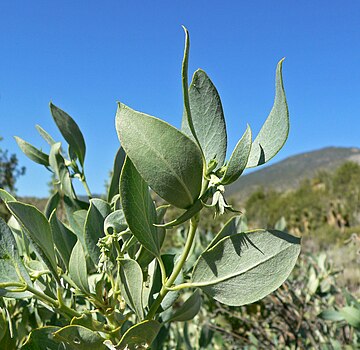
x,y
10,171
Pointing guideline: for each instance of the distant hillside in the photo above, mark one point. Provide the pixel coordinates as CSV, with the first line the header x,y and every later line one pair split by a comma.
x,y
291,171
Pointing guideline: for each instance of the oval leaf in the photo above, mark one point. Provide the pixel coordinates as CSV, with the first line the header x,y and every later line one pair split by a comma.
x,y
239,158
142,333
57,163
11,266
79,338
139,208
169,161
189,309
94,227
64,239
32,152
115,222
52,204
243,268
351,315
70,131
38,231
42,339
131,286
77,267
45,135
275,130
208,118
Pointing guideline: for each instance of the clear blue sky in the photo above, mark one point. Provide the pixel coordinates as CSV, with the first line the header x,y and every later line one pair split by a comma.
x,y
86,55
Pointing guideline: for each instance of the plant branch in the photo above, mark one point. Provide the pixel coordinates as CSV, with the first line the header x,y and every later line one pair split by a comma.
x,y
177,269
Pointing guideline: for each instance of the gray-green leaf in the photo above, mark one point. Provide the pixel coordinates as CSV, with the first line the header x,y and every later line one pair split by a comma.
x,y
245,267
38,231
115,178
208,118
275,130
11,266
131,286
32,152
57,163
45,135
169,161
138,207
64,239
77,267
189,309
94,227
42,339
142,333
115,222
239,158
70,131
79,338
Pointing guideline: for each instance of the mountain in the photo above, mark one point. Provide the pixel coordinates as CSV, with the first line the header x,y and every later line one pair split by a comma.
x,y
291,171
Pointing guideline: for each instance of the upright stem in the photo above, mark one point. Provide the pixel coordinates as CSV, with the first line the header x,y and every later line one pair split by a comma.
x,y
87,189
177,269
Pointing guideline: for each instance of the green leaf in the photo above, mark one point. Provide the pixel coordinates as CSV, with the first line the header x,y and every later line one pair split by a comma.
x,y
42,339
45,135
207,117
142,333
115,222
238,159
144,257
187,215
139,208
11,266
38,231
131,285
77,267
6,196
32,152
52,204
70,131
331,315
229,229
189,309
57,163
64,239
94,227
169,161
79,338
351,315
115,178
275,130
245,267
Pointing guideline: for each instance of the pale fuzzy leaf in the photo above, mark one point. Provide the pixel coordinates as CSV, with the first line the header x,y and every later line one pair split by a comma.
x,y
11,266
169,161
131,285
94,227
189,309
245,267
239,158
142,333
208,118
77,267
38,231
79,338
275,130
32,152
70,131
139,208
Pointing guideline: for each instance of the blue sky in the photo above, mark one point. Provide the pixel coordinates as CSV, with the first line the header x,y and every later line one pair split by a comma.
x,y
86,55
